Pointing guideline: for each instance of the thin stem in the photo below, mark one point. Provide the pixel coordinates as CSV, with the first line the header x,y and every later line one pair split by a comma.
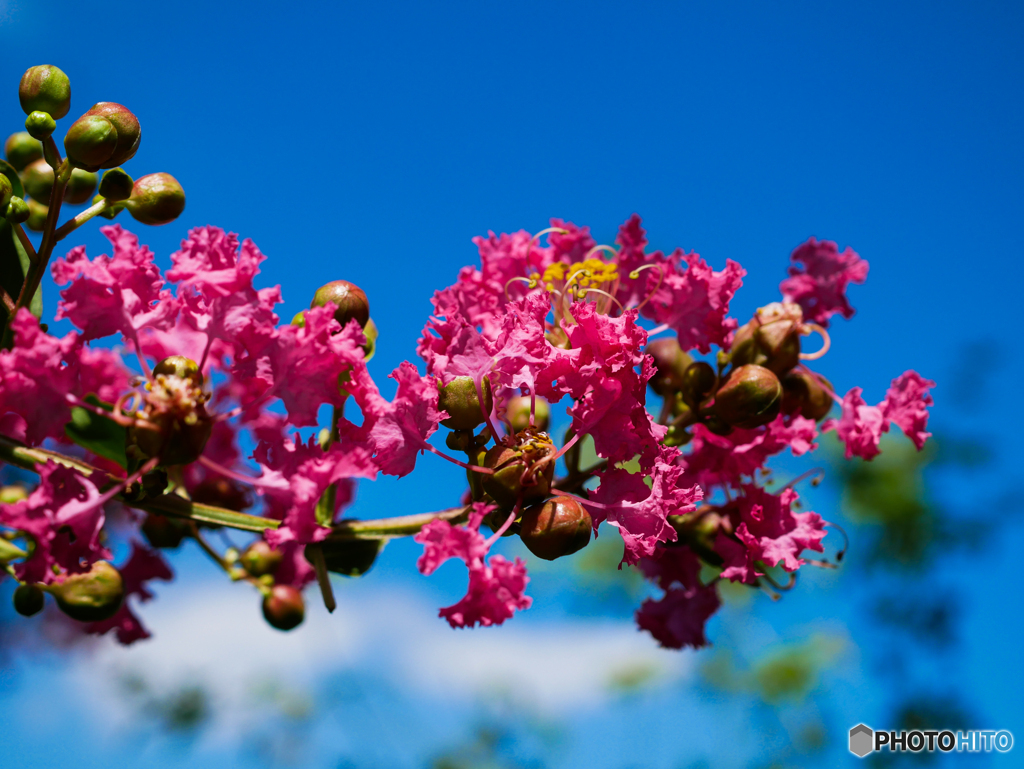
x,y
658,329
504,527
228,473
323,579
8,302
453,460
393,527
51,153
73,224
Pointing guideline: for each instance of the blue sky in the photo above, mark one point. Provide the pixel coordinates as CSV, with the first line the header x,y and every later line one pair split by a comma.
x,y
371,141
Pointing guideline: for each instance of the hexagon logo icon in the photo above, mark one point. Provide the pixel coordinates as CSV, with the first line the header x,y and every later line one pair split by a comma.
x,y
861,740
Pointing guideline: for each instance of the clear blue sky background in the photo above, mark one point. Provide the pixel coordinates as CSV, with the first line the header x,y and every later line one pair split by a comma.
x,y
371,141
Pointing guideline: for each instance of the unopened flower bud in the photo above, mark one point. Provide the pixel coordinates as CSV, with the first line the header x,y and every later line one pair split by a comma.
x,y
116,185
350,557
163,531
37,213
80,187
521,472
260,559
750,397
45,88
11,494
771,339
181,367
17,211
697,384
284,608
371,334
560,526
518,413
460,399
95,595
21,149
349,301
299,319
28,600
459,440
670,363
38,180
802,393
106,136
39,125
6,192
156,199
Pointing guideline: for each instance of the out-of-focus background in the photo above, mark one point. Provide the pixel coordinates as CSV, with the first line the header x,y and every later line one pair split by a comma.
x,y
370,142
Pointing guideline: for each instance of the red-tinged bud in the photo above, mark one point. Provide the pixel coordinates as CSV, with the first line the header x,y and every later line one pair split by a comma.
x,y
45,88
17,211
6,192
560,526
460,399
750,397
771,339
165,532
39,125
37,213
80,187
116,185
518,413
697,384
21,149
350,557
260,559
106,136
670,363
156,199
284,608
90,597
349,301
804,394
299,319
28,600
522,471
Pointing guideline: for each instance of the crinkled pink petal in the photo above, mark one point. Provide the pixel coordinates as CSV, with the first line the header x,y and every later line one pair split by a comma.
x,y
860,427
102,373
819,278
442,541
677,619
496,591
906,403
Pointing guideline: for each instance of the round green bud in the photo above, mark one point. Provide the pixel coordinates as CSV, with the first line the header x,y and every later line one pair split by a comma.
x,y
371,333
90,142
17,211
21,149
518,413
47,89
164,532
260,559
460,399
803,394
80,187
771,339
116,185
28,600
283,607
6,192
560,526
95,595
156,199
299,319
40,125
698,382
349,300
11,494
750,397
181,367
459,440
350,557
38,180
37,213
670,363
521,471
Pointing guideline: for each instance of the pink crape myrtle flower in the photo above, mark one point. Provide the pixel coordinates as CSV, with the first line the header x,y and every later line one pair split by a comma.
x,y
144,565
497,586
819,279
677,619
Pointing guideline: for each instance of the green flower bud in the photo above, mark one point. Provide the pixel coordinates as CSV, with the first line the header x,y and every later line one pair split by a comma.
x,y
156,199
459,440
45,88
460,399
116,185
697,384
283,607
771,339
670,364
560,526
350,557
38,180
80,187
92,596
6,192
518,413
165,532
40,125
179,366
28,600
371,333
21,149
260,559
106,136
37,213
17,211
803,394
299,319
522,471
11,494
750,397
349,300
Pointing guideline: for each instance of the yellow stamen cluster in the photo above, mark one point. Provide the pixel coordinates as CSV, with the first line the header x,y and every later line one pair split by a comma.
x,y
586,274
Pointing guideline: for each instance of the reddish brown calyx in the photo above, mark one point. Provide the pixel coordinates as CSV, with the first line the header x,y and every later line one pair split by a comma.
x,y
523,471
750,397
260,559
174,424
350,302
670,364
283,607
771,338
557,527
805,394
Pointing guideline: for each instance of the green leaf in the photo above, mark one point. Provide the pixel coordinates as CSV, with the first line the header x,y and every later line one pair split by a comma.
x,y
8,170
100,435
14,265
